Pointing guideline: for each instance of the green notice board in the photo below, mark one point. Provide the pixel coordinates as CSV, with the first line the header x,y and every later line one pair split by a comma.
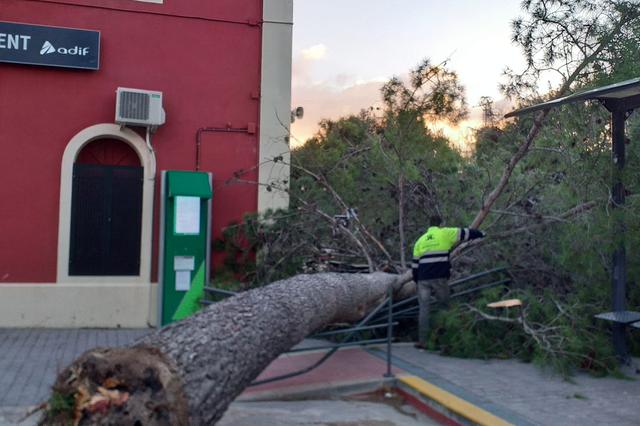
x,y
186,201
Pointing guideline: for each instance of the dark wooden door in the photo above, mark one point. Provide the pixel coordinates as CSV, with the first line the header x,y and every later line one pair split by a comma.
x,y
106,220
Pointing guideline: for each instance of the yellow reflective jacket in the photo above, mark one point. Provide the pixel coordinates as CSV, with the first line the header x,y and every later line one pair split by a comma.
x,y
431,251
436,239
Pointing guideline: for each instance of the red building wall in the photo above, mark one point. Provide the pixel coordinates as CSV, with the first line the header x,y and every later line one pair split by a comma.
x,y
207,68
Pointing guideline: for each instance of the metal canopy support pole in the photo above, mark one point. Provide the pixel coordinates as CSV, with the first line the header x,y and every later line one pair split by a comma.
x,y
620,99
619,272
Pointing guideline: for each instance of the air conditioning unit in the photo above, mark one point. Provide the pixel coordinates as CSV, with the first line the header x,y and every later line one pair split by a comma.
x,y
137,107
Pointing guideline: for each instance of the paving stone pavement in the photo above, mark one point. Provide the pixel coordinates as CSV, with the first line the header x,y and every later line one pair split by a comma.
x,y
539,396
31,358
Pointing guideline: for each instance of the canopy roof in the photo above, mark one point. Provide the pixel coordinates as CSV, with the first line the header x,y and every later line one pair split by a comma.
x,y
618,91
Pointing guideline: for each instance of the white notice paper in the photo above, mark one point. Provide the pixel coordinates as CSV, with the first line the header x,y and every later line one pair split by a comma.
x,y
184,263
183,280
187,214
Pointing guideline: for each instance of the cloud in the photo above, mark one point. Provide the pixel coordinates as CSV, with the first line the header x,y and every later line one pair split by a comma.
x,y
301,71
340,96
314,53
303,64
326,101
346,94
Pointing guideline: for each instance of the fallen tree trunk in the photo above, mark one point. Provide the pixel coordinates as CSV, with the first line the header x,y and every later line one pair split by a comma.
x,y
190,371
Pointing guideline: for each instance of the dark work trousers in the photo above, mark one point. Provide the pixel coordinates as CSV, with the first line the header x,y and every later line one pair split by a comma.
x,y
425,290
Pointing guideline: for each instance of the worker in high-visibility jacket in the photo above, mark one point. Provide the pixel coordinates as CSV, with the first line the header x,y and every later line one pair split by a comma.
x,y
431,267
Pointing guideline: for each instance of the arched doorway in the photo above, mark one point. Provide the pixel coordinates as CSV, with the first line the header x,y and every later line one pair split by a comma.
x,y
106,210
117,147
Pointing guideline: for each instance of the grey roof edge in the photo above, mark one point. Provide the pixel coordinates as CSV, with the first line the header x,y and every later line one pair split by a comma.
x,y
597,93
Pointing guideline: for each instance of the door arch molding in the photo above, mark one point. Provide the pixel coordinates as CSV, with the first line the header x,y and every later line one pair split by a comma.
x,y
147,160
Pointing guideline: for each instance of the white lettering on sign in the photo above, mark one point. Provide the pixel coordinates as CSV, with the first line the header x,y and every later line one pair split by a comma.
x,y
14,41
48,48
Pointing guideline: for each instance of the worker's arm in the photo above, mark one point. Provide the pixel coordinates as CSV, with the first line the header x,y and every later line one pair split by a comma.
x,y
467,234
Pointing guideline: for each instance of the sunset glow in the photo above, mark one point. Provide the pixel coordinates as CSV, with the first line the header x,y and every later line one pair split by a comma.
x,y
461,135
341,59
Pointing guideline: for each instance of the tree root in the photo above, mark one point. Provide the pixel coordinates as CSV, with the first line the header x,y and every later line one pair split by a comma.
x,y
118,386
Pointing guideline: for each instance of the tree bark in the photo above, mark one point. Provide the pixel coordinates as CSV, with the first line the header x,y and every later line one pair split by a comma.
x,y
403,260
190,371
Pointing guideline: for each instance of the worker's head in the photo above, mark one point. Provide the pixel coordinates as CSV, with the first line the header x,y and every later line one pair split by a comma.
x,y
435,220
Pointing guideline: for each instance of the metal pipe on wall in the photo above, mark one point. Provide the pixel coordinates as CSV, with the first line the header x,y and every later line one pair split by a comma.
x,y
250,130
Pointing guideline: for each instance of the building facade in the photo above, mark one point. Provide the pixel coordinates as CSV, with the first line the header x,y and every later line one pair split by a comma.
x,y
224,70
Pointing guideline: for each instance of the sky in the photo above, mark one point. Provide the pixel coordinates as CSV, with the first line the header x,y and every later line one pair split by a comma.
x,y
344,50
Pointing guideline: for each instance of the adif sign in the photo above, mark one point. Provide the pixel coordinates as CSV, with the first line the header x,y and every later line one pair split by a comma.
x,y
49,46
47,49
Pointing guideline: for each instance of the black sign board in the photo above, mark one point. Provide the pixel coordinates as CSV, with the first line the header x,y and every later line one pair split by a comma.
x,y
49,46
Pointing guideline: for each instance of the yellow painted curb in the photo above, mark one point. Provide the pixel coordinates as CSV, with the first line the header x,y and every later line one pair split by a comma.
x,y
451,402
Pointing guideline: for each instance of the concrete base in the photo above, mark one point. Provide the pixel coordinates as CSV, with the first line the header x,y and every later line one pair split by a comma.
x,y
321,412
78,305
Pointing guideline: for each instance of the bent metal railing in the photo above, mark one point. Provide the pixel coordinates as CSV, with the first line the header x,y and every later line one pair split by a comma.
x,y
381,316
459,288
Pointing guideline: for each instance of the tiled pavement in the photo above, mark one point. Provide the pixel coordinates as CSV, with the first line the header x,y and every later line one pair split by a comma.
x,y
520,393
30,358
541,397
